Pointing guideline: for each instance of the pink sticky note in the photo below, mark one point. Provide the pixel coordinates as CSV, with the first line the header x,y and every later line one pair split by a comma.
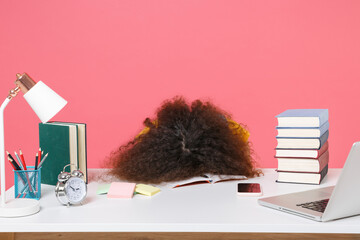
x,y
121,190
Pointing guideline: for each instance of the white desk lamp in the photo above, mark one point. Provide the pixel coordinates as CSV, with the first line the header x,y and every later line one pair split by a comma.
x,y
46,104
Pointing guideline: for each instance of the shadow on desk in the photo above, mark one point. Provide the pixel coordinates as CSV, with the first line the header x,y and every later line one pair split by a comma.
x,y
179,236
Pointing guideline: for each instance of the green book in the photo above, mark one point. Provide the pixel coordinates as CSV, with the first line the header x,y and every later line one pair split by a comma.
x,y
65,143
81,146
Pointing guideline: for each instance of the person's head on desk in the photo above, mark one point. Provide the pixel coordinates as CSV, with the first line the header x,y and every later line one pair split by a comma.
x,y
185,141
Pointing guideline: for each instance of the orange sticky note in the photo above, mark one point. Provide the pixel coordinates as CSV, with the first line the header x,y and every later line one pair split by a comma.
x,y
121,190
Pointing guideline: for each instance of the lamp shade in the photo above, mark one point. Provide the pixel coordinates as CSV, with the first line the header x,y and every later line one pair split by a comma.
x,y
44,101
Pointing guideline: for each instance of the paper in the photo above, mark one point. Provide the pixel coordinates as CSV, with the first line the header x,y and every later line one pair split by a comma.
x,y
146,189
121,190
103,189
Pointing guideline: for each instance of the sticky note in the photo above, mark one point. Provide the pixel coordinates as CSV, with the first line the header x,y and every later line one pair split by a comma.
x,y
146,189
121,190
103,189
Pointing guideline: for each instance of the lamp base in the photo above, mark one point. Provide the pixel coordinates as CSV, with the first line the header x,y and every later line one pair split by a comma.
x,y
20,207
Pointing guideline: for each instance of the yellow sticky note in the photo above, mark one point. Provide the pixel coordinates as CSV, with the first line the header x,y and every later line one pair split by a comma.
x,y
146,189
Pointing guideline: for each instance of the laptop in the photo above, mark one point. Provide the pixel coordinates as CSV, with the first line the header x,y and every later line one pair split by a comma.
x,y
329,203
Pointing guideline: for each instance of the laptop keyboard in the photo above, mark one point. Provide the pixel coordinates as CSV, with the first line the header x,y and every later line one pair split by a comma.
x,y
318,206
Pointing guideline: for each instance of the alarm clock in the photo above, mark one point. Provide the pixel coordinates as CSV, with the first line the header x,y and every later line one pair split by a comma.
x,y
71,188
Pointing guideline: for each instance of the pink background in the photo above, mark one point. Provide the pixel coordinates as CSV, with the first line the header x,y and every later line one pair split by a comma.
x,y
116,61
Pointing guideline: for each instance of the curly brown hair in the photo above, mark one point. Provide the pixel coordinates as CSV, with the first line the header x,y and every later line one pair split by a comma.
x,y
183,142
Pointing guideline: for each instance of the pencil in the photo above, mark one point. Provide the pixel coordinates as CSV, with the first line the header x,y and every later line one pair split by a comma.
x,y
43,160
23,166
16,168
20,163
9,155
13,162
22,159
39,158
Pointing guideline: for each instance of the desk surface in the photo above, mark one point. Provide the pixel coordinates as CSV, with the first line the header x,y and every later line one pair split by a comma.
x,y
200,208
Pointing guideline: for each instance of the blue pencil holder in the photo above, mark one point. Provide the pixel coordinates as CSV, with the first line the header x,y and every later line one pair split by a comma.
x,y
28,183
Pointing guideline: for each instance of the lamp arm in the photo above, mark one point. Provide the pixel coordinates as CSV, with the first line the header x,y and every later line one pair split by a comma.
x,y
2,151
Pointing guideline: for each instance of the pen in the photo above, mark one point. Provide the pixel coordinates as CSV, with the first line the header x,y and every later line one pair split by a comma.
x,y
36,161
43,160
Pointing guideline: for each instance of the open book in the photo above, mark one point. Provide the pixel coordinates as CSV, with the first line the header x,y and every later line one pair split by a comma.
x,y
208,179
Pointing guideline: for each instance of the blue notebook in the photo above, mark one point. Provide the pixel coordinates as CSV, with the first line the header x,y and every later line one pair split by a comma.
x,y
303,118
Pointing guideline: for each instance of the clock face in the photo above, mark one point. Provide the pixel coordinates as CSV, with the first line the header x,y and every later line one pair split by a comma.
x,y
75,190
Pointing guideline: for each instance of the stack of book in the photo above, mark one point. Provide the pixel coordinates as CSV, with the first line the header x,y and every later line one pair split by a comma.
x,y
302,147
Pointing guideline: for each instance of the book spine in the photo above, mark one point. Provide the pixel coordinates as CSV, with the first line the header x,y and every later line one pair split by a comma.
x,y
323,160
323,173
324,128
86,168
324,138
323,149
324,117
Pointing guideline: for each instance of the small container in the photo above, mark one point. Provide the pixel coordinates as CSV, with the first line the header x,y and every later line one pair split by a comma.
x,y
28,183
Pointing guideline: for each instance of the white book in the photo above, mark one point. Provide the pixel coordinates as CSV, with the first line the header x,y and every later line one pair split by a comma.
x,y
302,132
297,177
303,164
301,153
302,143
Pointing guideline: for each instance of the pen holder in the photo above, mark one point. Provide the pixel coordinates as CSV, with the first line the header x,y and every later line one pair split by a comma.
x,y
28,183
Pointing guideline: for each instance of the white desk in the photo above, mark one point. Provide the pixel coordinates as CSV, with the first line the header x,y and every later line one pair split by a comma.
x,y
200,208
